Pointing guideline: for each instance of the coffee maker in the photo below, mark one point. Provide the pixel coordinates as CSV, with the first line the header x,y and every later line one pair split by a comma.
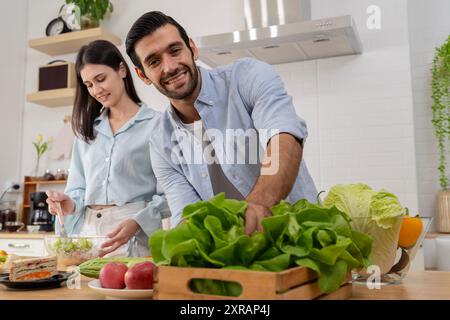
x,y
39,214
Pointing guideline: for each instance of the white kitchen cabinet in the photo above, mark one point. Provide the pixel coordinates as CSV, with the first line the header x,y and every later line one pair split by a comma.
x,y
23,247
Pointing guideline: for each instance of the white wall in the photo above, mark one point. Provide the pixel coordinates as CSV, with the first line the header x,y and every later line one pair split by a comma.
x,y
359,109
12,65
429,27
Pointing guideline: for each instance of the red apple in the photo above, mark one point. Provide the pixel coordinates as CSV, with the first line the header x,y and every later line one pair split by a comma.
x,y
140,276
112,275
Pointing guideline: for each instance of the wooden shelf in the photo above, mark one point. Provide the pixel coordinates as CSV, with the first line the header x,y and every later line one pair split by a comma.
x,y
434,235
53,98
71,41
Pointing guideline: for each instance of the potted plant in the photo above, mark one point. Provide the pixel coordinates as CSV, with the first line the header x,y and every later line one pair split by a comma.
x,y
441,122
92,11
40,147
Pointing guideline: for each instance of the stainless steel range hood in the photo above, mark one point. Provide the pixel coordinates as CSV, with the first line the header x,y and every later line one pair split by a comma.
x,y
280,31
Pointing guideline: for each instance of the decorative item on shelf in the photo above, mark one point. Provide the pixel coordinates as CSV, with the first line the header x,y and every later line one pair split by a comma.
x,y
40,147
57,74
56,26
92,11
441,119
68,20
71,14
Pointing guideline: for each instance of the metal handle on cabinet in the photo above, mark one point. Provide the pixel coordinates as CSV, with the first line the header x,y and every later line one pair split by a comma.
x,y
18,246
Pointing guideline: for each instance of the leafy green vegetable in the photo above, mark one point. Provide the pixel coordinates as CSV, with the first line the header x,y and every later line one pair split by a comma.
x,y
376,213
68,245
303,233
385,209
92,268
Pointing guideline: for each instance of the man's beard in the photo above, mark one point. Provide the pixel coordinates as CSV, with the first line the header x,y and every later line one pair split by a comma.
x,y
191,85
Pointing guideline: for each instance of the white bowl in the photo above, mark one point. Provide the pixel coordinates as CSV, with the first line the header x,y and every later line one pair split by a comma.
x,y
72,250
128,294
31,228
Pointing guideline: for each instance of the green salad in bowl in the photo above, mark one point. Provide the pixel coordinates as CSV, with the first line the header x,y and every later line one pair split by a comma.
x,y
74,250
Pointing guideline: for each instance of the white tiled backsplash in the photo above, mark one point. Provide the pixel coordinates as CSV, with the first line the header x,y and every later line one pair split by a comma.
x,y
429,27
359,108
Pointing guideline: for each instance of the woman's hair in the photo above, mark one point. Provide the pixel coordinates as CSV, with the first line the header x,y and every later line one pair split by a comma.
x,y
86,109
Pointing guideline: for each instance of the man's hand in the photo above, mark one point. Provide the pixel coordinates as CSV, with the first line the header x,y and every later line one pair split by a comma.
x,y
253,217
271,189
119,236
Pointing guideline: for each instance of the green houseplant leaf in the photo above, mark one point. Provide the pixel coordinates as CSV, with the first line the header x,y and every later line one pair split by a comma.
x,y
440,84
93,9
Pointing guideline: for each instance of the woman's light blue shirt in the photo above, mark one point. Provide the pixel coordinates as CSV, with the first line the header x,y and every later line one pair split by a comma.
x,y
116,169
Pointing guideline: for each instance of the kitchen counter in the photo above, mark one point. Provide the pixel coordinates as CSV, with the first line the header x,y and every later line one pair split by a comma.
x,y
424,285
434,235
61,293
24,235
420,285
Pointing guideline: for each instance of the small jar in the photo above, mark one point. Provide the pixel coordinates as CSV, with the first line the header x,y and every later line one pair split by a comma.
x,y
60,175
66,173
48,176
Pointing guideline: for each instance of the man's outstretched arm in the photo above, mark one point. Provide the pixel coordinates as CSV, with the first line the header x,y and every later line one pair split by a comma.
x,y
279,171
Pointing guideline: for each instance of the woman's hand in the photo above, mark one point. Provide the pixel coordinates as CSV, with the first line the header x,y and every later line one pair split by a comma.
x,y
55,197
119,236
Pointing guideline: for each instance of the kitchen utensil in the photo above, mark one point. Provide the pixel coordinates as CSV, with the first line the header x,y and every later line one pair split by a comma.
x,y
61,220
39,213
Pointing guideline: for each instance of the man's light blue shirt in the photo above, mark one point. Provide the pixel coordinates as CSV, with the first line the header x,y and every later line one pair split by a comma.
x,y
246,95
116,169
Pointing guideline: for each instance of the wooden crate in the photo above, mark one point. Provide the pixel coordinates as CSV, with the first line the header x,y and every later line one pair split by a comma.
x,y
299,283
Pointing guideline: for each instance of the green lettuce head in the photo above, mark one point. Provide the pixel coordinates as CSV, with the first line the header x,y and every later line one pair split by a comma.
x,y
376,213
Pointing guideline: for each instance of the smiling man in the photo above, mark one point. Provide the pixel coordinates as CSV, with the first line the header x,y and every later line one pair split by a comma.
x,y
231,129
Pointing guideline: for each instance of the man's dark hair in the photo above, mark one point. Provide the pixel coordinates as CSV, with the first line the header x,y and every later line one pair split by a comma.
x,y
146,25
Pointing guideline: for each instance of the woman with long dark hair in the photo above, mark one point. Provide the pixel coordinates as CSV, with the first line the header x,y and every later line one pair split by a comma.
x,y
111,189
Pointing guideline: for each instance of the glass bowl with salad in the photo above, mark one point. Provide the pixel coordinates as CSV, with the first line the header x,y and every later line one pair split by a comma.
x,y
73,250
